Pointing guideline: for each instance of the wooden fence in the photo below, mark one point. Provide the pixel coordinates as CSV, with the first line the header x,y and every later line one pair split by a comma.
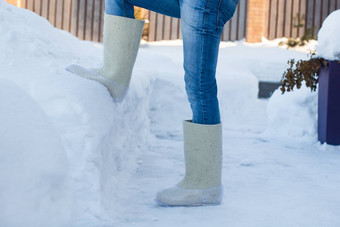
x,y
284,18
82,18
292,18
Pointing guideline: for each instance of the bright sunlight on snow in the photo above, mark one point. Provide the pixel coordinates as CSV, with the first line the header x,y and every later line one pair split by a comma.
x,y
69,156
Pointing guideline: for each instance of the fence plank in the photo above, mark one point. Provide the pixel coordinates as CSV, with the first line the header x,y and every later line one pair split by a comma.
x,y
167,28
96,21
29,4
302,29
281,19
66,15
152,26
74,18
242,19
175,27
58,20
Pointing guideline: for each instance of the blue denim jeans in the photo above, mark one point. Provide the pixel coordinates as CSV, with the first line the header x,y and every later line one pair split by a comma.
x,y
202,23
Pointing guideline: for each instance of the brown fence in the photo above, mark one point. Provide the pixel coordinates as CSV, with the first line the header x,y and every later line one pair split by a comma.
x,y
292,18
168,28
284,18
82,18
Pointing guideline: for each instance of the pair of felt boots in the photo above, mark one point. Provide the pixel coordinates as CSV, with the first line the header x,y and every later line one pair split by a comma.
x,y
202,143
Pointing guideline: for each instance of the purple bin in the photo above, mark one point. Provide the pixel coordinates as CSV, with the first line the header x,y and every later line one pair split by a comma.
x,y
329,104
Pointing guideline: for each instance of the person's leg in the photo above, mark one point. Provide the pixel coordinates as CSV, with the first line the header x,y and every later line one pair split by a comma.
x,y
124,8
202,24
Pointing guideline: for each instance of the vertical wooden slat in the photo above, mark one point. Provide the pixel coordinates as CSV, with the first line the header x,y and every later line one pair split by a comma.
x,y
62,14
82,19
40,7
59,14
101,20
310,15
74,17
174,28
55,12
242,19
234,26
29,4
156,25
321,12
43,9
284,18
152,26
51,11
226,32
296,15
37,6
66,15
267,19
313,16
33,6
245,19
279,31
87,18
96,23
159,25
179,30
167,28
163,27
276,18
299,15
325,11
237,22
92,21
303,14
272,20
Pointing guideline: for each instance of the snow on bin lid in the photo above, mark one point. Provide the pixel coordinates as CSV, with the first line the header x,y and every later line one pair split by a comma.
x,y
329,37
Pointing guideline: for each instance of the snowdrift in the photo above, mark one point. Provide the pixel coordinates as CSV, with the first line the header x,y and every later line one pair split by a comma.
x,y
96,141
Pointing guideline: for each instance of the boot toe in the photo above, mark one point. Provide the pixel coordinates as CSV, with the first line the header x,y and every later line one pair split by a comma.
x,y
177,196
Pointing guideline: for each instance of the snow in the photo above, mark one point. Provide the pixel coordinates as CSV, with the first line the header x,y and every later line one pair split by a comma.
x,y
297,111
69,156
329,36
32,156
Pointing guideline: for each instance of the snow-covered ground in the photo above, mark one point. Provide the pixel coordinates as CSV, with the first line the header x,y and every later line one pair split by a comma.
x,y
69,156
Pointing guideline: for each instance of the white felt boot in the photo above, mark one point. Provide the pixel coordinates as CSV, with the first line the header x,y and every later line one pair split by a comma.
x,y
121,43
203,163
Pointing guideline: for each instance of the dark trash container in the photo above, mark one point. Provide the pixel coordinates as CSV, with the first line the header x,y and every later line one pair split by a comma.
x,y
267,88
329,104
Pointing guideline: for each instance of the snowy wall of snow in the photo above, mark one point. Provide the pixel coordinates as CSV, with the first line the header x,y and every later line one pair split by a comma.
x,y
100,138
34,170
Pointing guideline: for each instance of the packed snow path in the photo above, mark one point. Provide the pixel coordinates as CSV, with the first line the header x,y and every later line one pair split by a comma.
x,y
268,181
115,157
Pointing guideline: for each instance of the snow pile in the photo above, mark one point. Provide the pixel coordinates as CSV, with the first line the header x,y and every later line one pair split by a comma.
x,y
101,139
329,36
34,171
293,115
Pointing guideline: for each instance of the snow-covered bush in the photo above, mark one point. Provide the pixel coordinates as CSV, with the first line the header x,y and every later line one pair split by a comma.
x,y
294,115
